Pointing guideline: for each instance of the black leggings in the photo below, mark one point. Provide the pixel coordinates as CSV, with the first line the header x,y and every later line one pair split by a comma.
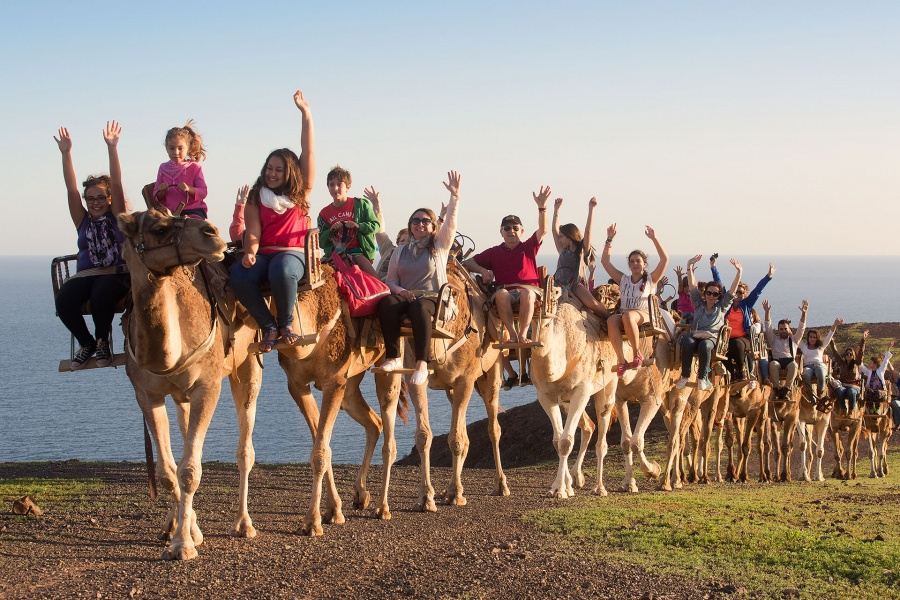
x,y
104,292
738,350
421,313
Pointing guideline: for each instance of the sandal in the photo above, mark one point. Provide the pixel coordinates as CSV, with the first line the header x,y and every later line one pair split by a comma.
x,y
270,338
288,336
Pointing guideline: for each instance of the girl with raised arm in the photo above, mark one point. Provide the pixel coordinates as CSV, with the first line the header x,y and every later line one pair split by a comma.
x,y
101,277
575,257
277,219
635,288
813,350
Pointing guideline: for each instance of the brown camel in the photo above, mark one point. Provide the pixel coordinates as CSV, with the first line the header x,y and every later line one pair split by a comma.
x,y
878,427
813,424
463,362
574,363
176,345
748,408
784,415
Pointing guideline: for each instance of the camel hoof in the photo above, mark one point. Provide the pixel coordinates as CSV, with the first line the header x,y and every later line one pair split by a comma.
x,y
361,500
196,534
502,489
665,486
243,528
383,513
579,481
600,491
654,471
426,505
678,484
872,475
180,553
333,516
630,487
559,494
164,536
312,529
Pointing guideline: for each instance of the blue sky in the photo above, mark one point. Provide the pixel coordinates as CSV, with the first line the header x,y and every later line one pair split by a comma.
x,y
748,128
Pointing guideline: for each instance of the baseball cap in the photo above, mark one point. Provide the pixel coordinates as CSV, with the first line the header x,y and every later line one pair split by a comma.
x,y
511,219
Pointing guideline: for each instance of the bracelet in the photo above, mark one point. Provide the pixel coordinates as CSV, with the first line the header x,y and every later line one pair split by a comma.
x,y
608,241
542,209
440,219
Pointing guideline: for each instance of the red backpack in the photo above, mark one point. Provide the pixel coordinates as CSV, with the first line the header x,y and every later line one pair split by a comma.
x,y
361,291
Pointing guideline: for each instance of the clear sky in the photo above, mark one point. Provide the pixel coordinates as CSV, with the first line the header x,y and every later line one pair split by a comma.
x,y
745,128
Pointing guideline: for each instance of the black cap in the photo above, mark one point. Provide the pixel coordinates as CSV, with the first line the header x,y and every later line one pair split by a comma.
x,y
511,219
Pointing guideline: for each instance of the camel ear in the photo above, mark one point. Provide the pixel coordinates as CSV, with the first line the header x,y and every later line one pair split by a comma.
x,y
128,224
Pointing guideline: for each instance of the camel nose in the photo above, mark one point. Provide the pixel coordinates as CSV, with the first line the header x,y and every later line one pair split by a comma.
x,y
209,229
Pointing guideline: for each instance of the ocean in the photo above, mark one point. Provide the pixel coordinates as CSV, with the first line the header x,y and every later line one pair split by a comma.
x,y
92,415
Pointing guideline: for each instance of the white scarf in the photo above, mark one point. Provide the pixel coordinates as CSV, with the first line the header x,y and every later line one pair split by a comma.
x,y
269,199
415,245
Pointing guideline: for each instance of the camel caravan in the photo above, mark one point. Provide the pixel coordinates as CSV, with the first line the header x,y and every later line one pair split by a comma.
x,y
433,314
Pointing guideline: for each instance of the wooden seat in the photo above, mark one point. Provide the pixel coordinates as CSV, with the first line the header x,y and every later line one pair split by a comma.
x,y
654,326
721,350
545,305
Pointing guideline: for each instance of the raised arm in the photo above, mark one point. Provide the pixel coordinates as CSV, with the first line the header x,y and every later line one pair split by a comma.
x,y
541,200
680,275
801,328
111,135
831,331
76,208
660,269
737,276
715,272
605,258
767,319
754,295
588,227
692,279
861,351
307,142
554,225
444,237
886,360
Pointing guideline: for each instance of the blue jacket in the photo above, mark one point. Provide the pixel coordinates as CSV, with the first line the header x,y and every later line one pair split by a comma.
x,y
745,305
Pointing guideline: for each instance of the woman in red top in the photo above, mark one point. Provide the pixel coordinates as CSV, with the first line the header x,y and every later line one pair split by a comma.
x,y
277,219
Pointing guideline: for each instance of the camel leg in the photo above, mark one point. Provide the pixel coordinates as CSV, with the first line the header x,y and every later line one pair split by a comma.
x,y
603,406
320,460
154,410
819,431
458,440
707,414
587,427
720,433
838,472
730,434
245,385
854,450
565,440
355,406
187,536
648,411
873,453
419,397
488,386
673,420
628,483
554,413
387,387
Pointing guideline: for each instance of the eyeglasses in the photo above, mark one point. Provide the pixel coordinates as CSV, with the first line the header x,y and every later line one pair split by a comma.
x,y
713,294
510,228
96,199
424,221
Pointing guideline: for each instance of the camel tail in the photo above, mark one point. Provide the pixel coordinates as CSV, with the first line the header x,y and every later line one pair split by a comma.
x,y
151,466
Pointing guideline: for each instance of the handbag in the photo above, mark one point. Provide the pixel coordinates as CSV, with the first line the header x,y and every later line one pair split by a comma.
x,y
360,291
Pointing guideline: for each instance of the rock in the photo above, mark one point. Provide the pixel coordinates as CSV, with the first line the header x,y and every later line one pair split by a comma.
x,y
26,506
790,593
879,538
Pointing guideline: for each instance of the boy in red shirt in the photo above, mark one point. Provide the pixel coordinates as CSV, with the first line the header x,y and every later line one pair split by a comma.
x,y
513,266
348,224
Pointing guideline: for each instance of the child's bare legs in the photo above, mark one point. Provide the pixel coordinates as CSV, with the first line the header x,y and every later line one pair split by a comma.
x,y
589,301
614,330
632,319
365,264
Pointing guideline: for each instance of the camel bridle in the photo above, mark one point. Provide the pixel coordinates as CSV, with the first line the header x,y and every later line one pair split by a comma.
x,y
141,247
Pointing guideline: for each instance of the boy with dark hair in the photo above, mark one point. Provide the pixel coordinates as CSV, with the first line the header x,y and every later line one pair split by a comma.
x,y
348,225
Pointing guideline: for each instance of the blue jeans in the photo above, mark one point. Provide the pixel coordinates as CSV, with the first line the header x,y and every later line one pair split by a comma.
x,y
895,408
703,348
283,270
847,396
820,373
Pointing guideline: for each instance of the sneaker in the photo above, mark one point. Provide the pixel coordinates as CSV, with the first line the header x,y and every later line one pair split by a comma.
x,y
681,383
511,382
620,370
638,361
704,384
84,353
526,380
392,365
418,377
104,354
753,385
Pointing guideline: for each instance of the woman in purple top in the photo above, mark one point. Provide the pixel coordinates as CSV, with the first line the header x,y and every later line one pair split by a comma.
x,y
100,277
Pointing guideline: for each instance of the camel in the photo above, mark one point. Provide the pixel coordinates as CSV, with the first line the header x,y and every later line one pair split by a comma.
x,y
648,386
465,362
176,346
784,415
878,427
748,408
574,363
813,424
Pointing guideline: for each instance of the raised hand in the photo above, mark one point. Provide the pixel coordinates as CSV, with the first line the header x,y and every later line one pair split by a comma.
x,y
679,272
557,204
663,282
771,269
592,203
766,306
541,197
611,231
112,132
372,196
300,101
63,141
866,334
648,231
242,194
736,264
695,260
452,184
838,321
804,306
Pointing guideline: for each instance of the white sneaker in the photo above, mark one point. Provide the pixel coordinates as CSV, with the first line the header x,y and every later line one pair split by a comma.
x,y
681,383
418,377
703,385
392,365
753,385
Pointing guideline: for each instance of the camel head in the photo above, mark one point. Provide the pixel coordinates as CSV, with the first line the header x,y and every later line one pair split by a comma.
x,y
608,295
162,242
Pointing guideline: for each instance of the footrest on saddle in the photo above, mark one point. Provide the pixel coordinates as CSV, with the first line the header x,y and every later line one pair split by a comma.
x,y
305,340
438,333
514,345
117,361
404,371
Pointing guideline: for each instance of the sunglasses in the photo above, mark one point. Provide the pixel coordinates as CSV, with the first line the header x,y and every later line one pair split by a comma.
x,y
713,294
424,221
510,228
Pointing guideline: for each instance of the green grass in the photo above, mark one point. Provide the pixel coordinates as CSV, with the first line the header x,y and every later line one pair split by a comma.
x,y
817,538
48,491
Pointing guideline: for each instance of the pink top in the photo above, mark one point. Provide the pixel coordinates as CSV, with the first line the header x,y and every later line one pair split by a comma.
x,y
188,172
237,223
685,306
512,265
282,231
